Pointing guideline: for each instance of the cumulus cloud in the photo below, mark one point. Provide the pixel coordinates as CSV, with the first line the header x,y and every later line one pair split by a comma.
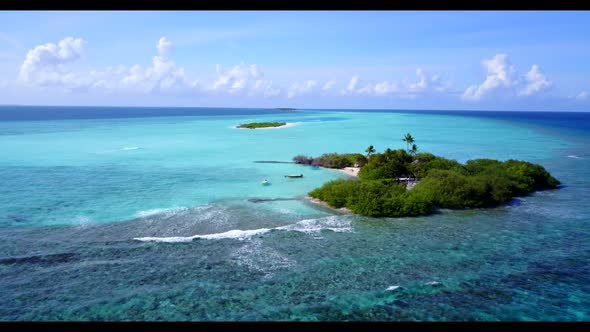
x,y
427,83
301,88
502,76
48,65
536,82
164,46
376,89
43,64
383,88
582,95
162,76
264,88
243,79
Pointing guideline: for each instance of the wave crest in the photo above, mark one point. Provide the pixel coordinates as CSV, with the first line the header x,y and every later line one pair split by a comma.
x,y
332,223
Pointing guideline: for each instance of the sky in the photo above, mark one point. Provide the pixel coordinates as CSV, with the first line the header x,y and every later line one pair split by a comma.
x,y
444,60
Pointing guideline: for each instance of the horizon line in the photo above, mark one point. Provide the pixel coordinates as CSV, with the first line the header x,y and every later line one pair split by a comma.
x,y
300,108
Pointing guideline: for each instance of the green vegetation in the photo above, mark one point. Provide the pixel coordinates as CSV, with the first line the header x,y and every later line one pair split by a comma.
x,y
443,183
370,150
332,160
255,125
409,140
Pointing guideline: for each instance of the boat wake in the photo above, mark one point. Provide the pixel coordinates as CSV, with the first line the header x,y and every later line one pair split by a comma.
x,y
574,156
127,148
309,226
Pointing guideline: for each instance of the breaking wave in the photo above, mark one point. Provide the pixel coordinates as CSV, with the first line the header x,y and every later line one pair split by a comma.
x,y
332,223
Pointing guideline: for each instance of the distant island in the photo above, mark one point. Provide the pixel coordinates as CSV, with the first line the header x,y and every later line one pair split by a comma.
x,y
255,125
404,183
285,109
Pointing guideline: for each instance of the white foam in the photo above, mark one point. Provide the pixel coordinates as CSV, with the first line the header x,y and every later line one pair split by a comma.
x,y
153,212
392,288
332,223
433,283
574,156
131,148
171,239
233,234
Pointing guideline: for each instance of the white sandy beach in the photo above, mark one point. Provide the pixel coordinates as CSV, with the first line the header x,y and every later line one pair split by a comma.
x,y
324,204
352,171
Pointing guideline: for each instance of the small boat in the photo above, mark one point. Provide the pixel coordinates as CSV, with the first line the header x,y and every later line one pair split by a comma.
x,y
265,183
294,176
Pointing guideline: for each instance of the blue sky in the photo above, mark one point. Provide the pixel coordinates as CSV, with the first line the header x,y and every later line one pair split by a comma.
x,y
521,60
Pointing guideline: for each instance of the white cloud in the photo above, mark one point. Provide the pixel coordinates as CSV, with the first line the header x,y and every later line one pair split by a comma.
x,y
428,83
162,76
48,65
536,82
351,87
243,79
328,86
503,77
164,46
500,74
301,88
582,95
265,88
385,88
43,64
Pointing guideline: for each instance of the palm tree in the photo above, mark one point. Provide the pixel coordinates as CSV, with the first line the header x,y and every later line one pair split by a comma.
x,y
409,140
370,150
414,149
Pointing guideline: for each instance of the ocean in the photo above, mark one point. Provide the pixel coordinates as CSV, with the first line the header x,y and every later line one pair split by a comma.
x,y
158,214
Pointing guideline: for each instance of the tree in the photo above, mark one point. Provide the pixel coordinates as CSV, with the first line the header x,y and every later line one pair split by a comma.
x,y
370,150
409,140
414,149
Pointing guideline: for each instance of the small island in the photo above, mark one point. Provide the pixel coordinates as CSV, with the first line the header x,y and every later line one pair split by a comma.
x,y
285,109
405,183
255,125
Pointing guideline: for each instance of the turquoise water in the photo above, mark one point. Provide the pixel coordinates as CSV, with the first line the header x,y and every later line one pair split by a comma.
x,y
159,217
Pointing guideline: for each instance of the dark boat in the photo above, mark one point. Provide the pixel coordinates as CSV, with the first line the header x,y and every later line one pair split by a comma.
x,y
294,176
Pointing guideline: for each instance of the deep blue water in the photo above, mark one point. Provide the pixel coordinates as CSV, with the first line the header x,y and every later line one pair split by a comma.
x,y
573,120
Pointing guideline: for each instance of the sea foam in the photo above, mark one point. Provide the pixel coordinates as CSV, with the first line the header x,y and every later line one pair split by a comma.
x,y
233,234
153,212
332,223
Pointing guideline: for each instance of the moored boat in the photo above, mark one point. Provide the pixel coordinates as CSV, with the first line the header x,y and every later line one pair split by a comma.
x,y
294,176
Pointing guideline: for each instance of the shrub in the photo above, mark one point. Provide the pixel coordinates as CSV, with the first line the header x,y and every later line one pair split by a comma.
x,y
304,160
445,183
